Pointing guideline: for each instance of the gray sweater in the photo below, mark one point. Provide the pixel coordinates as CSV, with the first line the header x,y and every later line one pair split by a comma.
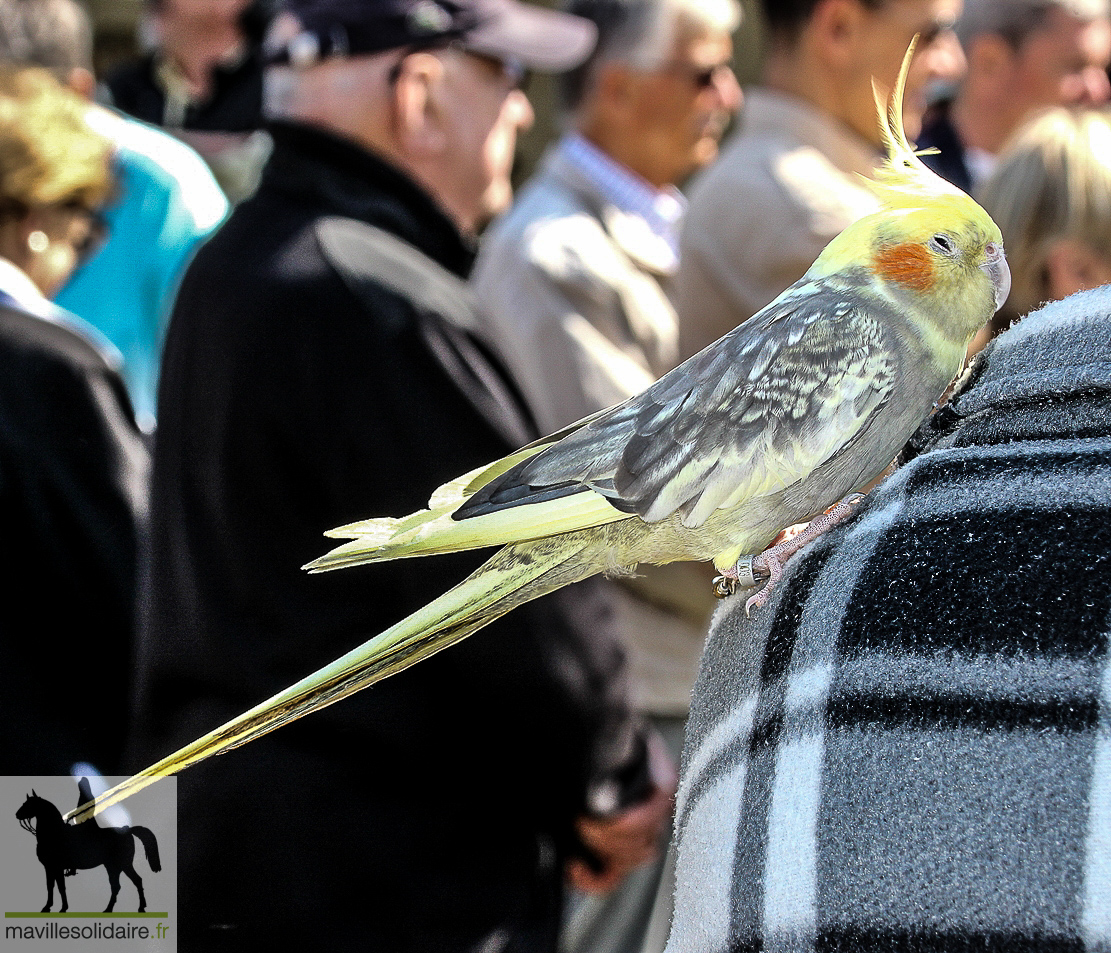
x,y
909,747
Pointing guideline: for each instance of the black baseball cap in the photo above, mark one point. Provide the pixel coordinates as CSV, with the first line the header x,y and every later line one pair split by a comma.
x,y
536,37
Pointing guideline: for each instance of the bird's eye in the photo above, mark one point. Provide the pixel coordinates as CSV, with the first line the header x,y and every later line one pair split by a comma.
x,y
944,244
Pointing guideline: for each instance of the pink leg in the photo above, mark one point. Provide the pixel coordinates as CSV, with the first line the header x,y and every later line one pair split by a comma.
x,y
768,566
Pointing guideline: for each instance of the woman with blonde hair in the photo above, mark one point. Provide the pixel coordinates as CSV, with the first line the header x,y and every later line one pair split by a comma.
x,y
1051,197
55,176
72,462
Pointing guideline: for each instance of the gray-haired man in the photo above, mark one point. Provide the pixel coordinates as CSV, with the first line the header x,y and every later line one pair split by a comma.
x,y
575,284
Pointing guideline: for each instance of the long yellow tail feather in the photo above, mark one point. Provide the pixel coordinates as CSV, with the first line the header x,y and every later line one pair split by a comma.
x,y
512,576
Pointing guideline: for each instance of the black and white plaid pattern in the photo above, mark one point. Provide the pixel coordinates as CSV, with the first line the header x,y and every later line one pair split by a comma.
x,y
909,748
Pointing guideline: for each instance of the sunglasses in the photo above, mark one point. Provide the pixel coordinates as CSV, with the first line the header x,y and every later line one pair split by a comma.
x,y
701,77
514,71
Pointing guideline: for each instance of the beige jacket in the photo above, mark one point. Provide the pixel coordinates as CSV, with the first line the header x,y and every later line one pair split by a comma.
x,y
788,181
575,297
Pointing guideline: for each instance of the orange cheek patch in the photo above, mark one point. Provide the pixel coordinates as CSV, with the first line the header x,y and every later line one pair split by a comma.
x,y
908,264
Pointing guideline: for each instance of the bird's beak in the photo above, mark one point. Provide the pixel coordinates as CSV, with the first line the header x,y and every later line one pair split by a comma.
x,y
996,268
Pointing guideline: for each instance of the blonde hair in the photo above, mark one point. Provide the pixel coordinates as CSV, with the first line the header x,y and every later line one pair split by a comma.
x,y
1053,181
48,153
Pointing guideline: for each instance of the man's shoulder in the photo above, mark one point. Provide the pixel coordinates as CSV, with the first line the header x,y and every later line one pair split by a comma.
x,y
778,183
551,229
771,163
547,201
373,261
405,288
790,155
771,124
261,273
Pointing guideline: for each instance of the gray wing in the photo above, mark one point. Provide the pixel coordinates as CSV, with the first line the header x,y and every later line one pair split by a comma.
x,y
756,411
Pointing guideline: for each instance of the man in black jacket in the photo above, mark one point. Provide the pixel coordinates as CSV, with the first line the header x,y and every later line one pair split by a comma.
x,y
320,368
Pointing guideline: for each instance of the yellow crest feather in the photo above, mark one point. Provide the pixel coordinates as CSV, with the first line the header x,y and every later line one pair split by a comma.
x,y
903,181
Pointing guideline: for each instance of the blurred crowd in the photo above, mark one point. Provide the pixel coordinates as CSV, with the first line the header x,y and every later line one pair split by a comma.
x,y
270,277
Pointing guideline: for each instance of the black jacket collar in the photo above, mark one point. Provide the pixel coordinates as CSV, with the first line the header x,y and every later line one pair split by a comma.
x,y
335,176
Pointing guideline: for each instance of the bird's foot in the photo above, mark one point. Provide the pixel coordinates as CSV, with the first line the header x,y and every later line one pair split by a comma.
x,y
741,576
724,585
767,567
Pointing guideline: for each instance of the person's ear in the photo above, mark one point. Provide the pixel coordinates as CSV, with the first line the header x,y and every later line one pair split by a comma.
x,y
835,27
614,85
610,100
419,104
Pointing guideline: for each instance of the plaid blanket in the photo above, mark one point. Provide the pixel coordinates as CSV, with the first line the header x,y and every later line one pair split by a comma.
x,y
909,747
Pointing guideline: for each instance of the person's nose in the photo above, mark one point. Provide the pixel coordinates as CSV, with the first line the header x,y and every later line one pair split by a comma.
x,y
1094,87
519,110
728,89
945,58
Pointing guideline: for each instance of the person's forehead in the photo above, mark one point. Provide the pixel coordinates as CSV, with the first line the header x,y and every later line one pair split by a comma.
x,y
927,17
207,6
704,45
1067,33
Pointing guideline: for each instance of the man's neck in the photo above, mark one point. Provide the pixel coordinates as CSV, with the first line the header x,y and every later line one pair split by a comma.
x,y
789,73
623,147
784,72
195,51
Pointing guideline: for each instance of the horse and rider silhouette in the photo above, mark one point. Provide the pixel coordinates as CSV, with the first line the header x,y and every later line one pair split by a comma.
x,y
66,848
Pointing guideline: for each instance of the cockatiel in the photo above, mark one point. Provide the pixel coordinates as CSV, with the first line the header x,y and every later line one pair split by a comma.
x,y
807,401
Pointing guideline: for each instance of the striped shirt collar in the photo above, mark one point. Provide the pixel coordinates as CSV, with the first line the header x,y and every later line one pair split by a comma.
x,y
661,209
